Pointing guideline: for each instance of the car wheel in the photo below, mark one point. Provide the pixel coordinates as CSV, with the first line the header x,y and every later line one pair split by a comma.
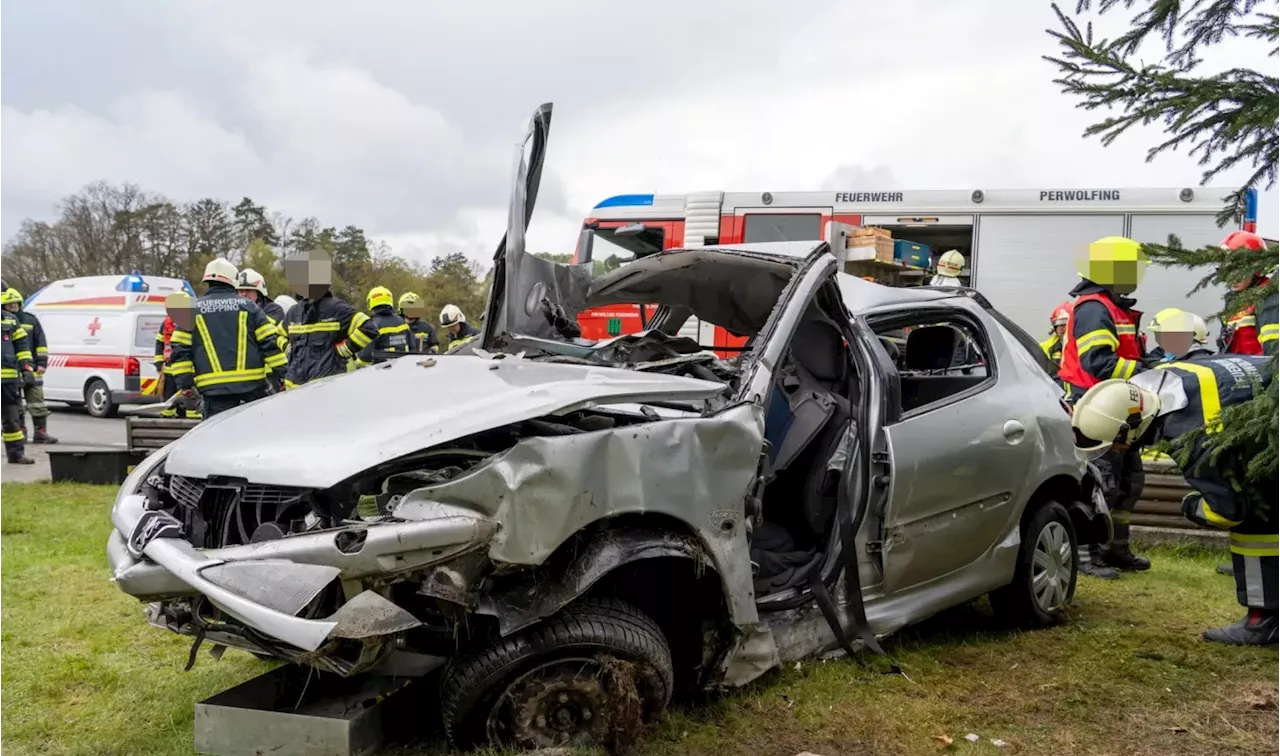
x,y
587,677
97,399
1045,579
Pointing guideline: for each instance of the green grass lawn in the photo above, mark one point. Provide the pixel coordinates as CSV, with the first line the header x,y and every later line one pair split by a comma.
x,y
1127,674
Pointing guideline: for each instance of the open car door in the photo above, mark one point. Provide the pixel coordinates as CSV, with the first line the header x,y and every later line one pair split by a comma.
x,y
525,287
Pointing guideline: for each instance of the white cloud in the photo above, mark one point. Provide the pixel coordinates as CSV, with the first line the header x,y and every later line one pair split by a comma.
x,y
399,117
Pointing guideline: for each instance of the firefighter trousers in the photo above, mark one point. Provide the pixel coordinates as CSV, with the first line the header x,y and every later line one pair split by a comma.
x,y
180,409
14,436
34,399
215,403
1122,482
1255,561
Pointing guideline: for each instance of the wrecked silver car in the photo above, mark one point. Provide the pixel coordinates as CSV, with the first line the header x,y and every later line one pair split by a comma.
x,y
579,531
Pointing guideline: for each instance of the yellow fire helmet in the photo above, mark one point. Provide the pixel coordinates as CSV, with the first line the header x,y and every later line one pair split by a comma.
x,y
380,296
1116,262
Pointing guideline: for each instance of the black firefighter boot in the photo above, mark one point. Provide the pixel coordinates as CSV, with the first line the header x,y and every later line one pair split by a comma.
x,y
16,455
41,436
1091,564
1122,558
1258,628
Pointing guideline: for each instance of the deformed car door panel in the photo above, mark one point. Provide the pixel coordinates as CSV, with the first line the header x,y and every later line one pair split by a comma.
x,y
958,473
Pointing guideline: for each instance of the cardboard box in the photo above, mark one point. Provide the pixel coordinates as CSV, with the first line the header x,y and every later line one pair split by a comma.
x,y
870,248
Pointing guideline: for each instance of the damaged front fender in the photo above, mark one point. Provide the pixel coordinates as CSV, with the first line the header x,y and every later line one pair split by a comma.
x,y
571,572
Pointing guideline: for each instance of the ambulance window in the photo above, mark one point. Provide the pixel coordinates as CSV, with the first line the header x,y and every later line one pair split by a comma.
x,y
771,227
148,327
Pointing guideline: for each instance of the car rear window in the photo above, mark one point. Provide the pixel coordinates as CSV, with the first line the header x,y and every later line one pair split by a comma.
x,y
1022,337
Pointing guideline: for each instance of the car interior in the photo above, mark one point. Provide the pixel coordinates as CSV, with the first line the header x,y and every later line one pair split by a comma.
x,y
936,361
808,419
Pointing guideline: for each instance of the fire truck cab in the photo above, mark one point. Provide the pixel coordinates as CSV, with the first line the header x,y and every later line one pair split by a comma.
x,y
1019,245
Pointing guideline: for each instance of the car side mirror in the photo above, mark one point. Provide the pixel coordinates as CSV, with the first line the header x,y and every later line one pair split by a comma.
x,y
586,244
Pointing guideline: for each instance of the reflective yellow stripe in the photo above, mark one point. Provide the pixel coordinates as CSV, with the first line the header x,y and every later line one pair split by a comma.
x,y
180,337
242,340
265,332
1126,330
19,333
355,334
393,329
288,384
1254,545
158,359
276,360
180,368
23,355
1210,402
325,327
215,364
1124,369
42,350
14,436
1215,519
1121,516
1244,322
230,376
160,337
8,373
1269,332
1098,338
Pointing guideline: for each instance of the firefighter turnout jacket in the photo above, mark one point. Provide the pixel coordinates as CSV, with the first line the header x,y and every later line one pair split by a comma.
x,y
1212,384
1052,347
163,345
1252,330
17,349
1101,339
323,334
275,313
233,349
39,345
422,337
466,332
393,335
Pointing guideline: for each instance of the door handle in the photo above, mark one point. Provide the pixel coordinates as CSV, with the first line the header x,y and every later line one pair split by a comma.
x,y
1014,432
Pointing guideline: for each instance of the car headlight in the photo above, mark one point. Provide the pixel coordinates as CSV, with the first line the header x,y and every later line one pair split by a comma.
x,y
133,483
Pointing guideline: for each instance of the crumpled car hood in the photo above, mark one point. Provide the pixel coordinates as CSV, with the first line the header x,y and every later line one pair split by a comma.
x,y
320,434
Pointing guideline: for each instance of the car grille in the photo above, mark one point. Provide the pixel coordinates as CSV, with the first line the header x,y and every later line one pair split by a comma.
x,y
227,515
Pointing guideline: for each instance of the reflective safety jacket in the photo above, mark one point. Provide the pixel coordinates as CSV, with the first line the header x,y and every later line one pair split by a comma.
x,y
422,337
39,345
17,348
323,334
393,335
276,314
1101,340
1052,347
163,346
233,347
465,333
1249,330
1212,384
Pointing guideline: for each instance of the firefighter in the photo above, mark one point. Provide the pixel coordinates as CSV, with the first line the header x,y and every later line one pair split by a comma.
x,y
1250,331
33,394
15,371
1185,332
457,331
230,356
1052,346
1101,343
393,331
324,331
252,286
950,264
422,337
1166,403
162,359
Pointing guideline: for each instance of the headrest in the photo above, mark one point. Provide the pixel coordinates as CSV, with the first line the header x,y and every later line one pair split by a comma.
x,y
818,348
930,348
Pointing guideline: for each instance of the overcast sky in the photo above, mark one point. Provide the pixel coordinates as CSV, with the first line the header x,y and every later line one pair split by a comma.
x,y
400,116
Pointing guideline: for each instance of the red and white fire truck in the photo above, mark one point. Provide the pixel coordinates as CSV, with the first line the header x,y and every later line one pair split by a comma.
x,y
1020,245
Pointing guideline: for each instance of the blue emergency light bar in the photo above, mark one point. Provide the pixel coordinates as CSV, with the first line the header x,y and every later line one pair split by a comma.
x,y
133,282
189,289
627,200
1250,210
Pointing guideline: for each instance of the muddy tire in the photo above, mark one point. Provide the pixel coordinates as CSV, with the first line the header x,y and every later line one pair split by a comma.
x,y
590,676
1045,579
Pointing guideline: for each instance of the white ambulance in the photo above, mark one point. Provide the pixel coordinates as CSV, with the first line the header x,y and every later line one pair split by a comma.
x,y
101,332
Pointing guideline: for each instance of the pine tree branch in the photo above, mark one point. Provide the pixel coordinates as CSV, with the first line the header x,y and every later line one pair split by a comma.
x,y
1224,121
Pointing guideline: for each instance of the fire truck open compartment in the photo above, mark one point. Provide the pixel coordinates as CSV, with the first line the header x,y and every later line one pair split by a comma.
x,y
940,234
